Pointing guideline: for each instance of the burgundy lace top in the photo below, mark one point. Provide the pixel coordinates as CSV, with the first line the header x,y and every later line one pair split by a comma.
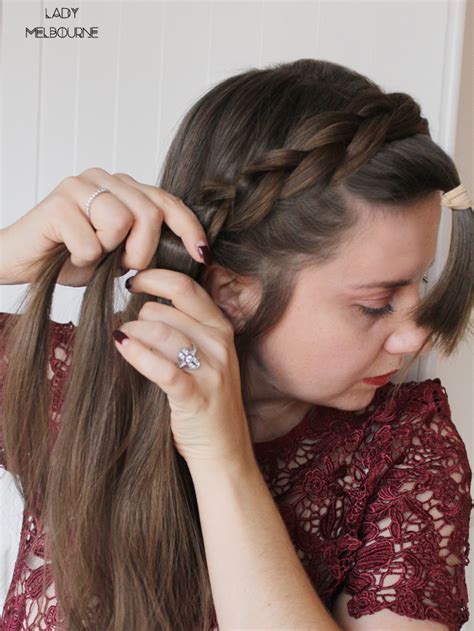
x,y
377,505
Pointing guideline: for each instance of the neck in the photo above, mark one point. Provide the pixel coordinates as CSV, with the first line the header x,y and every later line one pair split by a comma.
x,y
270,412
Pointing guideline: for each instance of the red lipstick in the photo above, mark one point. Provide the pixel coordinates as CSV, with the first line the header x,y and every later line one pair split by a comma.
x,y
381,380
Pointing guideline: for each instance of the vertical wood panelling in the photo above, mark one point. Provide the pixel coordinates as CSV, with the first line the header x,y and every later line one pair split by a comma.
x,y
450,77
186,48
138,90
387,41
399,40
346,33
289,31
59,73
98,67
21,59
235,39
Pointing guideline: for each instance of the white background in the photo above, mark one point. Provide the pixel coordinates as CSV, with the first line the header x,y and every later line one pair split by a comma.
x,y
115,102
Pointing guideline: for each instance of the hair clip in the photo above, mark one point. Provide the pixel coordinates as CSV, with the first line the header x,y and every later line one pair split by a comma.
x,y
457,198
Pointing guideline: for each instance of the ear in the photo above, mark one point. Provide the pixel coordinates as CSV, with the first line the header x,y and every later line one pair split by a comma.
x,y
237,296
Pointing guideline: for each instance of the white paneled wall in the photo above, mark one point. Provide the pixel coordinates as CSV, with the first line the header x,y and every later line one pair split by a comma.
x,y
116,101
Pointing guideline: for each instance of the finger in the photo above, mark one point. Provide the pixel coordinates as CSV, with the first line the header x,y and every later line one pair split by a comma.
x,y
203,337
176,382
186,295
161,336
76,232
144,237
177,216
109,221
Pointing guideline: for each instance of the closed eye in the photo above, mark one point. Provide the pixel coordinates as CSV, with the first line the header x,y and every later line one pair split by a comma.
x,y
381,311
376,313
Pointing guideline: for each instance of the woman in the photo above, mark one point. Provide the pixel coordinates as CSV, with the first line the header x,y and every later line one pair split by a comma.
x,y
262,478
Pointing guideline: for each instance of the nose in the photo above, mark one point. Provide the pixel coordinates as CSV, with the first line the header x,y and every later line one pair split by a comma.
x,y
408,338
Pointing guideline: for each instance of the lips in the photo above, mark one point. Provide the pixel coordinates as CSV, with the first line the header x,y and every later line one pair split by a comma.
x,y
380,380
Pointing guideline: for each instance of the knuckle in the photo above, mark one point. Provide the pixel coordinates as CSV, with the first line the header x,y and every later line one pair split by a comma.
x,y
147,310
184,285
221,349
225,354
181,203
228,329
173,199
161,331
91,251
173,377
123,176
60,202
141,200
217,378
94,172
156,214
68,182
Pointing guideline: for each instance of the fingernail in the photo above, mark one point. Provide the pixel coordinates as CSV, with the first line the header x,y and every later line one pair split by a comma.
x,y
128,282
205,254
119,336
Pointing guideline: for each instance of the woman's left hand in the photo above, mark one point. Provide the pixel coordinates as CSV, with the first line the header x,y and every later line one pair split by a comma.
x,y
208,419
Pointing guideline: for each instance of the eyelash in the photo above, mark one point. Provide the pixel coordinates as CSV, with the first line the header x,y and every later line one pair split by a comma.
x,y
385,310
376,313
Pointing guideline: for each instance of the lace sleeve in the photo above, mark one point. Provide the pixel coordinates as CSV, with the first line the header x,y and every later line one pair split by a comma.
x,y
415,532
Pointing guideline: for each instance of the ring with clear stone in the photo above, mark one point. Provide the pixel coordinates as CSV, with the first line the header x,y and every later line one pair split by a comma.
x,y
187,358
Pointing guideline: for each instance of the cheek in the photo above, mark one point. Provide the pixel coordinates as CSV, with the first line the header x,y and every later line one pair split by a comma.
x,y
314,348
321,359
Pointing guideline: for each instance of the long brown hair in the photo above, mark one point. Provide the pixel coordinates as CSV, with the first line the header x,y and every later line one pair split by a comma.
x,y
272,161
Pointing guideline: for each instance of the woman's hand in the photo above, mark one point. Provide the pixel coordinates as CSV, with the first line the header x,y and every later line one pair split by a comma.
x,y
131,211
208,419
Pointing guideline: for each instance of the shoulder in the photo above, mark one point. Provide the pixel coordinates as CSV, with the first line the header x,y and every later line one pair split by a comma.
x,y
414,428
421,410
411,399
416,520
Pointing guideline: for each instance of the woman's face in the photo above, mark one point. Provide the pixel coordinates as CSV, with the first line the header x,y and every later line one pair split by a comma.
x,y
325,345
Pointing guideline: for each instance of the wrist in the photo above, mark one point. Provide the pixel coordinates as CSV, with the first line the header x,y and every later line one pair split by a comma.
x,y
7,277
3,271
204,472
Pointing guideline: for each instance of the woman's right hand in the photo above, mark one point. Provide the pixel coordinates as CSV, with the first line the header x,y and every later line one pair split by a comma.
x,y
131,210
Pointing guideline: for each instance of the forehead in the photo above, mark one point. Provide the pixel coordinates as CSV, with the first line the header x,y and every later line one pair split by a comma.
x,y
386,243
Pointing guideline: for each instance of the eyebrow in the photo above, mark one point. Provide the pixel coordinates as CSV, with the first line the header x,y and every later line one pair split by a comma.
x,y
387,284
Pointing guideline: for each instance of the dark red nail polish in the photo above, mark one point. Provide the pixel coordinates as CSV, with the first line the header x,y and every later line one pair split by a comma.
x,y
205,253
128,282
119,335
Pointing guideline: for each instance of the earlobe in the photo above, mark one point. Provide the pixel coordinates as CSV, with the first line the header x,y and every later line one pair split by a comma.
x,y
228,317
232,311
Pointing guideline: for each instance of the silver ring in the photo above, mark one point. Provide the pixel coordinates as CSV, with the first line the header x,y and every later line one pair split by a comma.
x,y
187,358
92,197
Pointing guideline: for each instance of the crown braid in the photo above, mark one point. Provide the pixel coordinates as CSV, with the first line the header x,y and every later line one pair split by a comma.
x,y
325,149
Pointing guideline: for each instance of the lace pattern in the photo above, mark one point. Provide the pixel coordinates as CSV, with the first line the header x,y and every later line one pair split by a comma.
x,y
377,505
